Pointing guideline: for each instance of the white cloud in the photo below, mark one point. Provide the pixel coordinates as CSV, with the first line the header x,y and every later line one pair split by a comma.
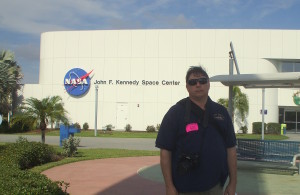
x,y
269,7
151,6
34,17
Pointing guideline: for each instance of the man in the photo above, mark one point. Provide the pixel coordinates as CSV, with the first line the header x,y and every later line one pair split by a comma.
x,y
197,142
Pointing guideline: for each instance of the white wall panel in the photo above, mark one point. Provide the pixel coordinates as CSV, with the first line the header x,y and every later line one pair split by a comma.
x,y
152,43
264,44
237,38
298,44
165,94
110,69
276,44
137,69
165,68
109,93
289,45
249,66
85,44
165,43
46,47
111,43
179,43
72,47
124,44
222,44
124,69
208,43
151,69
137,94
98,44
149,115
179,69
193,43
138,43
59,45
58,76
251,44
221,66
150,94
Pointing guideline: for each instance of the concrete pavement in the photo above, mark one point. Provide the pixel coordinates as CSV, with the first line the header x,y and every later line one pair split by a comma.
x,y
142,175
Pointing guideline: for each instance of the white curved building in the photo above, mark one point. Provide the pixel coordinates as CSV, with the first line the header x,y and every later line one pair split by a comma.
x,y
141,73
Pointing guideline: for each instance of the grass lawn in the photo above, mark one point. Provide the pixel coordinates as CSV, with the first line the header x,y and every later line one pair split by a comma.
x,y
258,137
91,133
144,134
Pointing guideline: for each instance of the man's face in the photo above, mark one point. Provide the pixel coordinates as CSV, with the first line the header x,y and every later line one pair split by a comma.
x,y
198,89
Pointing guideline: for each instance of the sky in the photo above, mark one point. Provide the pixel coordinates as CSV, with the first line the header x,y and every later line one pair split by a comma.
x,y
23,21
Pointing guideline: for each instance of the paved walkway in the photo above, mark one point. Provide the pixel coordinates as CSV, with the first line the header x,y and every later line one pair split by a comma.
x,y
116,176
142,175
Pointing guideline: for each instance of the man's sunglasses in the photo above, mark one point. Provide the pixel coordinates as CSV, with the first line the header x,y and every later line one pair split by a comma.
x,y
202,81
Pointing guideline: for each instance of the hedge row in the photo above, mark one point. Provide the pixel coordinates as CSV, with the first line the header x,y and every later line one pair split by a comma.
x,y
16,158
270,128
15,128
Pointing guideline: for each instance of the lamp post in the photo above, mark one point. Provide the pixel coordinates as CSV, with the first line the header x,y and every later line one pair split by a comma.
x,y
96,108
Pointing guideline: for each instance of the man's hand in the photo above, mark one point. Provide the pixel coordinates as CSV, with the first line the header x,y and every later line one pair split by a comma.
x,y
232,166
171,190
166,168
230,189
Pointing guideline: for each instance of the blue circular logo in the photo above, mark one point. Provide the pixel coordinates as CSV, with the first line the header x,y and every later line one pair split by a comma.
x,y
77,82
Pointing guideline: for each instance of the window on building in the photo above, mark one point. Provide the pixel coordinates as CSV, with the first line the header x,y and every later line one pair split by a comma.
x,y
290,67
297,67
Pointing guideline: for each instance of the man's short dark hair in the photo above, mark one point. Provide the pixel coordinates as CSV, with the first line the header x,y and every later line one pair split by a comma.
x,y
195,70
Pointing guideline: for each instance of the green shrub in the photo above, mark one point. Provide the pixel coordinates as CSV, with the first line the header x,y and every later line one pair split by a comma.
x,y
109,127
128,128
157,127
29,154
16,181
256,127
13,180
4,127
77,125
244,129
273,128
85,126
150,129
70,146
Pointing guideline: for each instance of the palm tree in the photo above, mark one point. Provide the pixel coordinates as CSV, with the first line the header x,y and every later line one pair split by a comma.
x,y
240,105
36,112
10,77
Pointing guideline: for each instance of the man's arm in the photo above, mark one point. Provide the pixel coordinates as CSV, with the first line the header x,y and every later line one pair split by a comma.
x,y
232,166
166,167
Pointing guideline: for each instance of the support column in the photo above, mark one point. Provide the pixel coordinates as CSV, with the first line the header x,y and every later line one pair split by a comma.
x,y
96,108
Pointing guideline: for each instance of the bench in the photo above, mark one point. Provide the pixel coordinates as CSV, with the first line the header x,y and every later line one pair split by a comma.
x,y
278,155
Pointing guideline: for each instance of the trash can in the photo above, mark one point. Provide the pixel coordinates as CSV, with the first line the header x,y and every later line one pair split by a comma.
x,y
283,129
65,131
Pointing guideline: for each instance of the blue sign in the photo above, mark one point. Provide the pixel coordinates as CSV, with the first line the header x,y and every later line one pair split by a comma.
x,y
265,112
77,82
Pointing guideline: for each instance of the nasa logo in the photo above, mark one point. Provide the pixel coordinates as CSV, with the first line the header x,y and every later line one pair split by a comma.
x,y
77,82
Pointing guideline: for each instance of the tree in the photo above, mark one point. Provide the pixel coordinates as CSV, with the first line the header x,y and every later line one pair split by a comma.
x,y
36,112
240,105
10,77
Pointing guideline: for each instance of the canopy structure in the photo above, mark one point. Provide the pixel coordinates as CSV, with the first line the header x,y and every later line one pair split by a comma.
x,y
271,80
274,80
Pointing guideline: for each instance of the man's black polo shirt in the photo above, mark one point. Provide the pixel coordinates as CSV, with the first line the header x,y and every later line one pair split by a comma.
x,y
193,137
